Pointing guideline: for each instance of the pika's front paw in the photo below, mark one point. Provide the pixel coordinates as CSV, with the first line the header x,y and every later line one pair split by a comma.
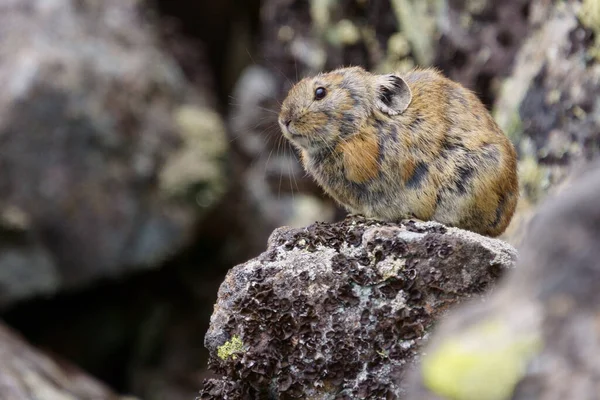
x,y
352,215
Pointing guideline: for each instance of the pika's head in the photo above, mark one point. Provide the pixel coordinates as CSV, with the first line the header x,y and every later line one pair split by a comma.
x,y
320,111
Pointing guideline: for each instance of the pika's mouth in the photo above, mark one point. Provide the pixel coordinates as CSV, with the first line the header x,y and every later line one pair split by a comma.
x,y
285,125
288,132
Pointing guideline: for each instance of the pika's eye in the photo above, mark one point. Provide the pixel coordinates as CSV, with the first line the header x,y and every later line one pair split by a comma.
x,y
320,93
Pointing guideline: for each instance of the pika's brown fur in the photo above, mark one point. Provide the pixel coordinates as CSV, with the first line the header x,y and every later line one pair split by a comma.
x,y
396,146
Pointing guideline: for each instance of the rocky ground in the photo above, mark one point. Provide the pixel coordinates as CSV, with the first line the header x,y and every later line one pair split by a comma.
x,y
341,310
141,160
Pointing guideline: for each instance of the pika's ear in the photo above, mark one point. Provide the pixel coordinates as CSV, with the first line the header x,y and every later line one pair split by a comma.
x,y
393,94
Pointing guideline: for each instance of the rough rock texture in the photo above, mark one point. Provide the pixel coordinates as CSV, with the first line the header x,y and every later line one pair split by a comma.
x,y
551,97
27,374
340,309
103,147
538,334
549,106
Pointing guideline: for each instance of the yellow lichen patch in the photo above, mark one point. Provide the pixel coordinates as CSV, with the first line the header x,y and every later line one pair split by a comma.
x,y
285,34
345,33
14,218
231,348
533,178
589,15
197,168
483,363
320,12
398,45
417,24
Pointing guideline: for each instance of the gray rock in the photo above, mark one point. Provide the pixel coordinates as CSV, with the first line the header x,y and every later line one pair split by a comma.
x,y
102,168
28,374
549,105
340,310
538,334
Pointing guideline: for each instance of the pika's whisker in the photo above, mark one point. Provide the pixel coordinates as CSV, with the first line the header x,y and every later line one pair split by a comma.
x,y
289,171
280,171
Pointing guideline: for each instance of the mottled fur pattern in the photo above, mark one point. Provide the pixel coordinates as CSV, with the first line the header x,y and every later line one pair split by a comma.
x,y
396,146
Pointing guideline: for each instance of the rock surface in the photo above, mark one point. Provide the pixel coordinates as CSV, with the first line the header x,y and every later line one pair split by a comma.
x,y
549,105
340,309
103,146
538,334
27,374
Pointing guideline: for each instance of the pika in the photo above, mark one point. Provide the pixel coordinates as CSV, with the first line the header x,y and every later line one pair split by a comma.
x,y
399,146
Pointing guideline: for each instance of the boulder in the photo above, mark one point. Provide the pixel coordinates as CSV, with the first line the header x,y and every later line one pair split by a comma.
x,y
342,308
537,336
28,374
109,159
549,104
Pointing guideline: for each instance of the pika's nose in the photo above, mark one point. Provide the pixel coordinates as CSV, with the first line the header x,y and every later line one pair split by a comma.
x,y
287,123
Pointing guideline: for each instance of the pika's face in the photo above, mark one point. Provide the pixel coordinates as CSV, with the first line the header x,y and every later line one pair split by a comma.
x,y
322,110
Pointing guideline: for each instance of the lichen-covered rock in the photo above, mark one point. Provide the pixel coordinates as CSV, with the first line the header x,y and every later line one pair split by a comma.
x,y
340,310
537,336
104,168
28,374
549,104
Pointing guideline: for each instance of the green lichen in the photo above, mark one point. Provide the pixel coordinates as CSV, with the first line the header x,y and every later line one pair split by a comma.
x,y
418,24
231,348
589,15
398,45
513,127
533,178
196,170
320,13
476,6
506,110
391,270
345,33
397,57
483,363
383,353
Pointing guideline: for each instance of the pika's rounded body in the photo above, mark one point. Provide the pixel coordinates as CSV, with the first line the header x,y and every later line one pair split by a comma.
x,y
396,146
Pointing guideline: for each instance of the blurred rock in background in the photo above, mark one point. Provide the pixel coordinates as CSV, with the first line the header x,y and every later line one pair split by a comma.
x,y
109,158
537,333
549,105
141,156
27,374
